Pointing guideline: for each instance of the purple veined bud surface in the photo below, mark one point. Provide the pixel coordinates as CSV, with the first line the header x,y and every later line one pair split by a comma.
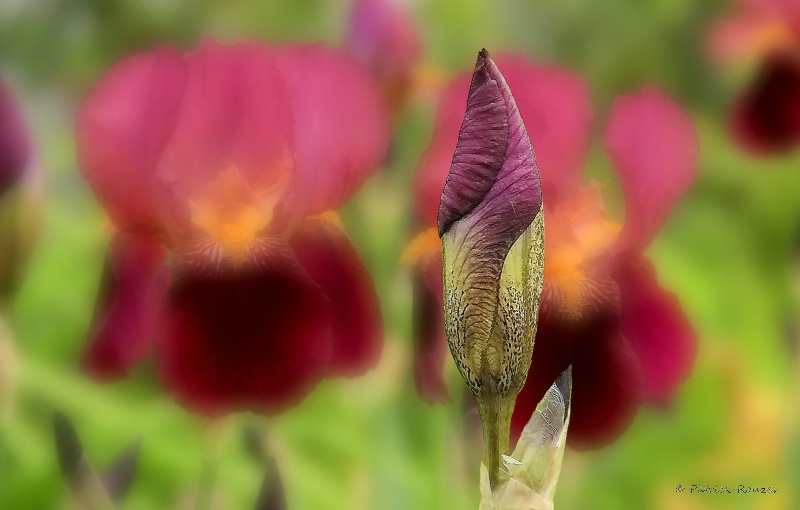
x,y
492,228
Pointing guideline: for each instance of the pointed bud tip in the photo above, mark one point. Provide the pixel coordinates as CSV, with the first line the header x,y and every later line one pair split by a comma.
x,y
564,384
564,381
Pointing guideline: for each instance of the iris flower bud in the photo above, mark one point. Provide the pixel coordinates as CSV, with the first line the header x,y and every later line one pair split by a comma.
x,y
492,228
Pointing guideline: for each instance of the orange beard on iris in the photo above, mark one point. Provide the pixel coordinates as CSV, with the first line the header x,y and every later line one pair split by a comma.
x,y
578,238
233,213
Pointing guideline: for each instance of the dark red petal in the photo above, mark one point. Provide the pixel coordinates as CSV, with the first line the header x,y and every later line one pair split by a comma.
x,y
767,116
658,330
122,127
257,341
132,291
15,144
606,388
331,261
341,129
430,343
654,147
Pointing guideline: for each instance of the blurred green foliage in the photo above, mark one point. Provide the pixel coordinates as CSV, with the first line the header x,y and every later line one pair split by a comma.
x,y
730,250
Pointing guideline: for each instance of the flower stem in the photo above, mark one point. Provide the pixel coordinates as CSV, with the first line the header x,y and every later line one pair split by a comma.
x,y
496,423
205,490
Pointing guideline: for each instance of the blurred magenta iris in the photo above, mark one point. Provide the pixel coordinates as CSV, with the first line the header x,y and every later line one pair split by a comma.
x,y
385,39
220,169
766,116
602,310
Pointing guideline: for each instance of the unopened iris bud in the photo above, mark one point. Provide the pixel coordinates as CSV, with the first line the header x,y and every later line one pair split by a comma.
x,y
492,229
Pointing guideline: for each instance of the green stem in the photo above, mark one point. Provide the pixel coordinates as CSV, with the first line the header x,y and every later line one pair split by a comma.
x,y
496,424
205,490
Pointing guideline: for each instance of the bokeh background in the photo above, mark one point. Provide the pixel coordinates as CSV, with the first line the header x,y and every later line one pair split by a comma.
x,y
730,250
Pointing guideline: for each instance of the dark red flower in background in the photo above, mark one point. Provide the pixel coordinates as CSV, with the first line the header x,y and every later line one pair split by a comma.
x,y
227,162
602,309
766,116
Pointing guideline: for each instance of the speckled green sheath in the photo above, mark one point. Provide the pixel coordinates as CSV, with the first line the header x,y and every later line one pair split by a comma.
x,y
491,330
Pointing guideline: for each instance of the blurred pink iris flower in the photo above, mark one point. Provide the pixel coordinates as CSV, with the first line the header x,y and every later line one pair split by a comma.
x,y
766,117
384,38
220,170
603,310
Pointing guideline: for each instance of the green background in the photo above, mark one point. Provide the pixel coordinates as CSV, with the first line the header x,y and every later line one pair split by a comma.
x,y
730,250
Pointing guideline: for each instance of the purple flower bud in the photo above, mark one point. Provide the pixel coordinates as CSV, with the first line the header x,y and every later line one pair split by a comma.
x,y
492,229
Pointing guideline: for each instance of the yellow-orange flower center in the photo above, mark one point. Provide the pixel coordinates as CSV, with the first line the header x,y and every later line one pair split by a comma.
x,y
234,212
770,36
425,244
577,233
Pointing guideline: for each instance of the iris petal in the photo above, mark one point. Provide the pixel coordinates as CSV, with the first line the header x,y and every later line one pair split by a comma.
x,y
256,341
133,288
654,147
330,260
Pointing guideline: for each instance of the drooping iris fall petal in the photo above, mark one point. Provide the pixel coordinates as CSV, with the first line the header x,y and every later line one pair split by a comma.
x,y
329,259
132,290
658,330
255,341
654,147
607,378
767,116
